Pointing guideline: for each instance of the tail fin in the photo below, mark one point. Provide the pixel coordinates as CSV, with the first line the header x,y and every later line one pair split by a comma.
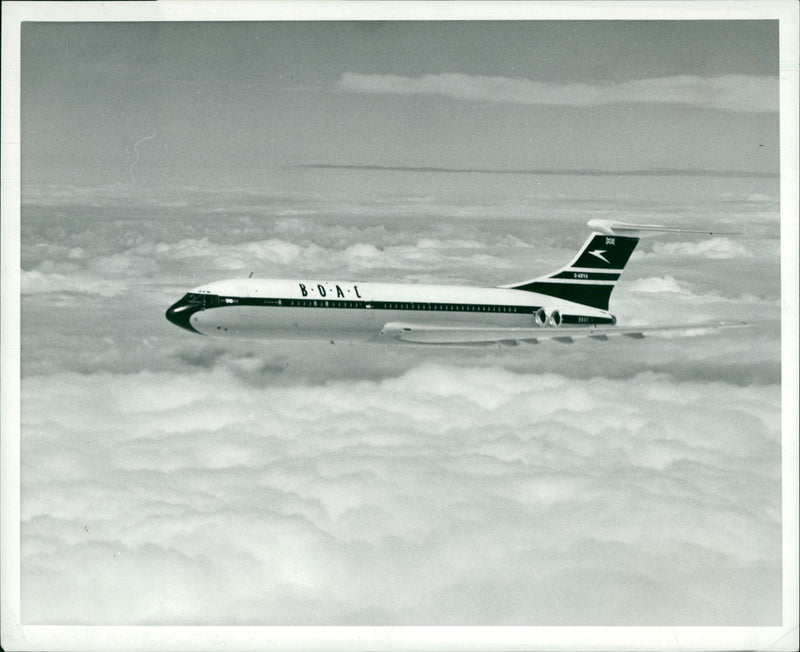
x,y
593,273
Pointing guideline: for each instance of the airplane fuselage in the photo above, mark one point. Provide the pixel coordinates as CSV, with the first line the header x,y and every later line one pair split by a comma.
x,y
351,311
568,303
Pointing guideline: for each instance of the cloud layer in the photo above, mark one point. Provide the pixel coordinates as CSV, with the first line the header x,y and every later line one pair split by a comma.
x,y
172,479
443,495
743,93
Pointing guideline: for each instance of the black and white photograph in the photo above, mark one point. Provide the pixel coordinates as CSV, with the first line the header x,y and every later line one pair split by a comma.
x,y
445,325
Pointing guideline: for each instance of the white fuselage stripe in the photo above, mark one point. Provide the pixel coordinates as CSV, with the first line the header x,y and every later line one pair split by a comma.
x,y
575,281
591,269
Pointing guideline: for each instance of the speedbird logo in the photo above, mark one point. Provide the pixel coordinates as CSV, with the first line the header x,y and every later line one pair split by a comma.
x,y
598,253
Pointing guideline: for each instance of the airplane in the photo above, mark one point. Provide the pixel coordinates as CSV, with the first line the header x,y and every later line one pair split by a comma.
x,y
571,302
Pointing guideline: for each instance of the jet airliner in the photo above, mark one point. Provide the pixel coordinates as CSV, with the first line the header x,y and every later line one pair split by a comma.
x,y
569,303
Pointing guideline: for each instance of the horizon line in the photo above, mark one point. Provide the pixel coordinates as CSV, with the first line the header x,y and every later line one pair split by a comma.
x,y
541,171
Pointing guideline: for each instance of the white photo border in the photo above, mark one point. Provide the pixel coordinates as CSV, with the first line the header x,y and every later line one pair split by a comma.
x,y
16,636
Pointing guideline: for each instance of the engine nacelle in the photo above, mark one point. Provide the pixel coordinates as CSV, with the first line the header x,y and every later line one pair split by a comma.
x,y
547,317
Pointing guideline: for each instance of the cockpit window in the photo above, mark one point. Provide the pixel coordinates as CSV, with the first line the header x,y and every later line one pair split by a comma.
x,y
204,300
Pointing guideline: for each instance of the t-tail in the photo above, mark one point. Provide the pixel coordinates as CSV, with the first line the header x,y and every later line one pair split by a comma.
x,y
591,276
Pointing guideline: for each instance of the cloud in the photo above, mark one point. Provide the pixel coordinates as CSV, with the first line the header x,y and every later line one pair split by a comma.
x,y
656,285
742,93
36,282
711,248
441,495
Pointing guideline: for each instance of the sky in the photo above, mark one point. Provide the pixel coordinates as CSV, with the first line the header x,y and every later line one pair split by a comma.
x,y
173,479
219,103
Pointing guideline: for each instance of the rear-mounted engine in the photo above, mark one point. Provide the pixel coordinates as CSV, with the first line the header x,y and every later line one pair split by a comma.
x,y
547,317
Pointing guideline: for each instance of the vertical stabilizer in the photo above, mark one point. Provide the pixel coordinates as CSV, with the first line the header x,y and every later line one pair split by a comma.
x,y
592,274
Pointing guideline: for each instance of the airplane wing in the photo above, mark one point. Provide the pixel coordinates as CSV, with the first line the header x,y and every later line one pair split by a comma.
x,y
477,335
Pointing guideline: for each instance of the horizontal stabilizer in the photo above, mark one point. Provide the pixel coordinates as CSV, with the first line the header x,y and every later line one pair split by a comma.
x,y
612,227
467,335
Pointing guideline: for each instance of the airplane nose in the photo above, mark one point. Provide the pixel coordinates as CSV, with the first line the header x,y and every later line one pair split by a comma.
x,y
180,312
